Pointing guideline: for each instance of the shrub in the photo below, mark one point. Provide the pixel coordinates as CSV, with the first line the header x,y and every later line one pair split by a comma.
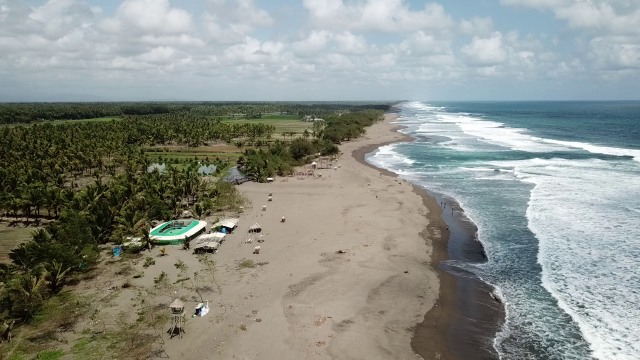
x,y
246,263
149,261
163,275
51,355
180,265
301,148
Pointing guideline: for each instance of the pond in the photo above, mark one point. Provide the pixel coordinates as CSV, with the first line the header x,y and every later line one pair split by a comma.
x,y
162,168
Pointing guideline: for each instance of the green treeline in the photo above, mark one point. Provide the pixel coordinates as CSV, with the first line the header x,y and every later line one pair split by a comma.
x,y
282,157
14,113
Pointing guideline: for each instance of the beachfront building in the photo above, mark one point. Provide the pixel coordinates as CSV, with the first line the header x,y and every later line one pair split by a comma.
x,y
226,225
175,232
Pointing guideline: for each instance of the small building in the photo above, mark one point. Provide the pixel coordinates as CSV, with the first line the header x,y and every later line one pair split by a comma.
x,y
216,236
177,231
255,228
227,224
206,246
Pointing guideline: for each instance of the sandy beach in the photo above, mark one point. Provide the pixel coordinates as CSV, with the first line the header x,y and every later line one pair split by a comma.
x,y
347,276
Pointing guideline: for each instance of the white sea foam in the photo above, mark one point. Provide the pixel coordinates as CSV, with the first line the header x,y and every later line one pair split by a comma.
x,y
597,149
581,211
387,158
497,133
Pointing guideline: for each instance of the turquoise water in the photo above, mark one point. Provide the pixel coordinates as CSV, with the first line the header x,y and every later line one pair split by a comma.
x,y
554,188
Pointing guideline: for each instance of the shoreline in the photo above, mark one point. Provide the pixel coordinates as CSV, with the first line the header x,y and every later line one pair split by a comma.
x,y
465,319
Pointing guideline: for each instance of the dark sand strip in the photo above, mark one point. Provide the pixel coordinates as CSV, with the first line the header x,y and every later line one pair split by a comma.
x,y
465,319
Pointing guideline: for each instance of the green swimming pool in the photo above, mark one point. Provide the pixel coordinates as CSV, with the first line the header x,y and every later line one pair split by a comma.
x,y
175,228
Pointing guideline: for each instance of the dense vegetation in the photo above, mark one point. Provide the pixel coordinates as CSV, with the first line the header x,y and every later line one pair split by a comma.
x,y
27,113
280,158
41,167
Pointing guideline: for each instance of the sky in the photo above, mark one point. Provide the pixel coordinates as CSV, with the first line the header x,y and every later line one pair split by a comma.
x,y
279,50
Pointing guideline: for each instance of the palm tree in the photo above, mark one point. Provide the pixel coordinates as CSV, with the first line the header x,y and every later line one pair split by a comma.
x,y
27,292
145,238
201,209
56,276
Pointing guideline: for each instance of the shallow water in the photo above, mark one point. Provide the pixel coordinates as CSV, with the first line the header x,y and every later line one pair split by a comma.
x,y
554,189
204,169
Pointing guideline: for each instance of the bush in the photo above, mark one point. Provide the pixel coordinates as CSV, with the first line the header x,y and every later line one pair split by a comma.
x,y
163,275
148,262
51,355
180,265
246,264
301,148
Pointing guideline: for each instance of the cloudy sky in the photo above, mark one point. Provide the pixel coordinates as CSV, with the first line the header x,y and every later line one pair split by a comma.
x,y
65,50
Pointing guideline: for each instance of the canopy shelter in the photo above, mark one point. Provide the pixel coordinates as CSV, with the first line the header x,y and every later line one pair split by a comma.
x,y
255,228
206,246
177,305
216,236
132,242
228,224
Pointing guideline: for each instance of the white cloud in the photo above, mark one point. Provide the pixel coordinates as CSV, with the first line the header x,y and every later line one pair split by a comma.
x,y
377,15
616,16
252,51
485,51
148,16
348,43
421,43
229,21
313,44
479,26
616,52
613,25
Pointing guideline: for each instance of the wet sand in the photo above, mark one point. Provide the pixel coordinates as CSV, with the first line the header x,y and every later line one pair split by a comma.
x,y
466,317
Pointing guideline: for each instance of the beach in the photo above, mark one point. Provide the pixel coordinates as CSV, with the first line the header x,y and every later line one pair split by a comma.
x,y
349,275
466,317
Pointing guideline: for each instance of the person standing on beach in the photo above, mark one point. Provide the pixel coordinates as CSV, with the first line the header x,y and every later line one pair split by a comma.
x,y
445,205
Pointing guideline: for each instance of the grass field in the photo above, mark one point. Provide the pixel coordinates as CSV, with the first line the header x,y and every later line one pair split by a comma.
x,y
282,123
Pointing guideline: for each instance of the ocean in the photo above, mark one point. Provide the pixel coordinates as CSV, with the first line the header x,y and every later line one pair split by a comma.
x,y
554,190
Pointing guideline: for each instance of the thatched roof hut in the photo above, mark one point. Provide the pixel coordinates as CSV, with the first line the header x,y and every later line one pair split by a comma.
x,y
255,228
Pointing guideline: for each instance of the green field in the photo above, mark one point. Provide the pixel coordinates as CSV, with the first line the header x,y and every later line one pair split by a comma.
x,y
56,122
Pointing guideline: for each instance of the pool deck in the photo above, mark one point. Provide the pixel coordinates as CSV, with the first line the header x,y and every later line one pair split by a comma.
x,y
174,231
177,234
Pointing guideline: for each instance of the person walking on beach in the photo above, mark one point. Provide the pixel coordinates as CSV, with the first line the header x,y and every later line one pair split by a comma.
x,y
445,205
